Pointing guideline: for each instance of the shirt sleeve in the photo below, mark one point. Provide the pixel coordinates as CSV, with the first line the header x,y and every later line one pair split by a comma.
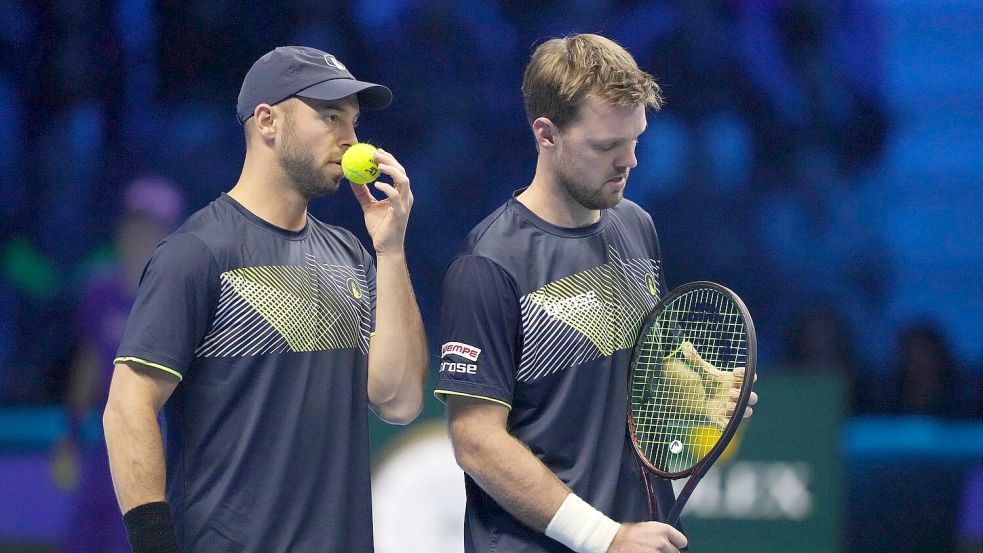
x,y
479,332
174,306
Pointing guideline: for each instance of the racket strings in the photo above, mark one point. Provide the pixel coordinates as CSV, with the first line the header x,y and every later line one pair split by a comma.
x,y
681,389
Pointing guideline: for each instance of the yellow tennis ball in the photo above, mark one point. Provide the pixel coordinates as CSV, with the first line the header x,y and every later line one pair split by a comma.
x,y
702,439
358,165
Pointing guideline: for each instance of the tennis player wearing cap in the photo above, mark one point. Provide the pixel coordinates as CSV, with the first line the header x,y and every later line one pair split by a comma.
x,y
265,334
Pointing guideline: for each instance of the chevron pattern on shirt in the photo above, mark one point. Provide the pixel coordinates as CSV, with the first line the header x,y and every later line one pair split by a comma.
x,y
276,309
586,315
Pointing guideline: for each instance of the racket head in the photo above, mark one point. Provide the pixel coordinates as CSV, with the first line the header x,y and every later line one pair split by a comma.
x,y
680,413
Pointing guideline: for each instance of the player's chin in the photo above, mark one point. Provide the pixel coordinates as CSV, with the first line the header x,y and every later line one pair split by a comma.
x,y
325,187
331,186
613,196
332,178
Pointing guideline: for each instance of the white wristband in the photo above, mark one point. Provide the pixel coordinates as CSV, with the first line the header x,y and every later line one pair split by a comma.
x,y
581,527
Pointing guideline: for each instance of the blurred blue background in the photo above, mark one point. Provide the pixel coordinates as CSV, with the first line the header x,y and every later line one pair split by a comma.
x,y
823,159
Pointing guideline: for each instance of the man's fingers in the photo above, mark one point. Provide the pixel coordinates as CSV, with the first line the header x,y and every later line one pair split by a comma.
x,y
387,189
657,534
389,166
676,538
689,351
362,194
693,356
382,156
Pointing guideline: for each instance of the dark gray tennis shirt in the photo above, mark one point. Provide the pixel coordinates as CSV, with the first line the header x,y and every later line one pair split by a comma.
x,y
266,441
542,320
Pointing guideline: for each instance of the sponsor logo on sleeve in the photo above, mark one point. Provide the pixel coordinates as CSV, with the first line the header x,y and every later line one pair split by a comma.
x,y
462,368
461,350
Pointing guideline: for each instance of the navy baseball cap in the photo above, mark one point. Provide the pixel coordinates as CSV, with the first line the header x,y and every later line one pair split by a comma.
x,y
308,72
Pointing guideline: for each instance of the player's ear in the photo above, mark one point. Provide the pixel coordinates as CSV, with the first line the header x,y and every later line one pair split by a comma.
x,y
544,131
265,122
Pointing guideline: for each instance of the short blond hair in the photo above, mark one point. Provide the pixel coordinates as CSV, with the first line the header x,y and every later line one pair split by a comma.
x,y
563,71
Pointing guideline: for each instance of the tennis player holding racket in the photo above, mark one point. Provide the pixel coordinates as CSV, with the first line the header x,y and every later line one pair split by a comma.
x,y
539,317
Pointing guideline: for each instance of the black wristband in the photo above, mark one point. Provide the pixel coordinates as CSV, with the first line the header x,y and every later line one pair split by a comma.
x,y
150,528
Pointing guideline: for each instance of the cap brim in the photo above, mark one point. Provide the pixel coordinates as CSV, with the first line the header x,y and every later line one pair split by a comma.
x,y
370,95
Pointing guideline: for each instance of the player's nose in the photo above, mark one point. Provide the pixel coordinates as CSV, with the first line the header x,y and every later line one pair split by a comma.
x,y
348,136
628,159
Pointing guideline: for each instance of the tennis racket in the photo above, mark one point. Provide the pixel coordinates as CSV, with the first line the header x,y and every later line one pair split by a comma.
x,y
689,382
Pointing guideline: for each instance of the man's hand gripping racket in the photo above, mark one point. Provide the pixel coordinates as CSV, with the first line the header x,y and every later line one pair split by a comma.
x,y
714,392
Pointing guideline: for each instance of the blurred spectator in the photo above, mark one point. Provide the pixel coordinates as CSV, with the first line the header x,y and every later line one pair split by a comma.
x,y
34,368
928,379
152,208
819,342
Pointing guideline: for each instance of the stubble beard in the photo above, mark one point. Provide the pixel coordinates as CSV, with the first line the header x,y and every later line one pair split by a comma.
x,y
588,196
302,170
